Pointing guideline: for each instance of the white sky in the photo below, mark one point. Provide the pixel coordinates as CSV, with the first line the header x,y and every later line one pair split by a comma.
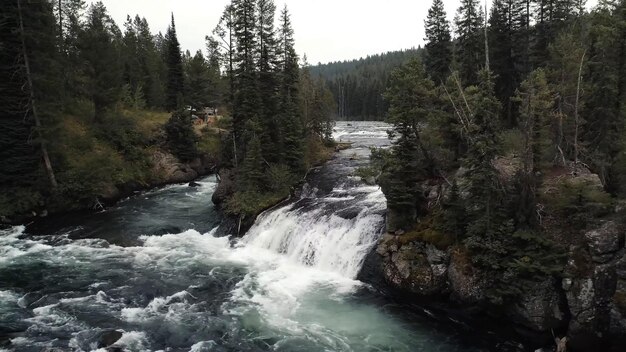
x,y
325,30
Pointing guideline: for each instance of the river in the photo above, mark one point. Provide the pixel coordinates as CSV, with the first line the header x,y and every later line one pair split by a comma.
x,y
157,270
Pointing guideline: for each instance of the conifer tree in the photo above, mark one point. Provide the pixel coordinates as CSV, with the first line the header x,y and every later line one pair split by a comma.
x,y
246,104
470,50
175,76
567,57
268,80
604,103
181,138
100,49
290,119
535,101
224,38
438,56
503,39
488,215
411,96
28,80
199,80
254,167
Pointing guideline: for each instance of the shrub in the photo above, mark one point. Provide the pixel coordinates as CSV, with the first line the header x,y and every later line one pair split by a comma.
x,y
181,137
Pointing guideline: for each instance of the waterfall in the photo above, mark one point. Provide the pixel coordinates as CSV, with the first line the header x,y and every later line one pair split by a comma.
x,y
332,233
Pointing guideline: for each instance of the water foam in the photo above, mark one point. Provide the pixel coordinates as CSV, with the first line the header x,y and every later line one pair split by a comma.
x,y
324,241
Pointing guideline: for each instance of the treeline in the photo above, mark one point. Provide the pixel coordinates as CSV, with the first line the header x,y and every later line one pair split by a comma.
x,y
73,84
505,116
358,85
82,99
280,114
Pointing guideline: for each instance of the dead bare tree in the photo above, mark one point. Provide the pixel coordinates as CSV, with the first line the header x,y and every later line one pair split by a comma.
x,y
576,107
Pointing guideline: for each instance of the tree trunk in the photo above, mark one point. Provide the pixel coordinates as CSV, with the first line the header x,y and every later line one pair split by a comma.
x,y
33,105
576,122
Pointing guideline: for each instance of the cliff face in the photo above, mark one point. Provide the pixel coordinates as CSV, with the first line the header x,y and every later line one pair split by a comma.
x,y
586,302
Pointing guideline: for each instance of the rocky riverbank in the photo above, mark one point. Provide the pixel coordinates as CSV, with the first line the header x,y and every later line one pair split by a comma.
x,y
165,169
584,306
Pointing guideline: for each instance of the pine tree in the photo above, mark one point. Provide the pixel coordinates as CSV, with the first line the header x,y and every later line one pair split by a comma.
x,y
604,102
246,104
489,219
224,38
438,56
100,50
290,119
199,81
410,95
454,214
502,40
152,67
567,57
551,17
536,102
20,159
175,76
254,167
470,52
268,80
181,138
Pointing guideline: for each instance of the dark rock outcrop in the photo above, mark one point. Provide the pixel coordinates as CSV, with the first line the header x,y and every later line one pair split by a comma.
x,y
541,308
468,284
225,187
595,286
588,303
414,267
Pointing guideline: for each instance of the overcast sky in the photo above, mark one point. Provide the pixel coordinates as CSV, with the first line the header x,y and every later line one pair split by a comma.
x,y
325,30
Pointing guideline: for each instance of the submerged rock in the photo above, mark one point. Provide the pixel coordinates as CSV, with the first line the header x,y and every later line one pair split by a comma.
x,y
108,338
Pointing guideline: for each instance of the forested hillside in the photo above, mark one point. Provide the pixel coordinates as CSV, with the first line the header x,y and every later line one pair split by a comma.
x,y
358,85
89,107
510,155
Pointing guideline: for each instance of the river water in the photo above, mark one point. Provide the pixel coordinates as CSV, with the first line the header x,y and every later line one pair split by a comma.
x,y
158,269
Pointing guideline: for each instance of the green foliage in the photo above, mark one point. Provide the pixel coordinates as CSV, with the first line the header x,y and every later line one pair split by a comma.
x,y
19,201
253,167
429,230
251,204
521,260
470,48
579,200
438,56
175,73
181,138
357,86
411,99
100,44
279,178
209,143
453,217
